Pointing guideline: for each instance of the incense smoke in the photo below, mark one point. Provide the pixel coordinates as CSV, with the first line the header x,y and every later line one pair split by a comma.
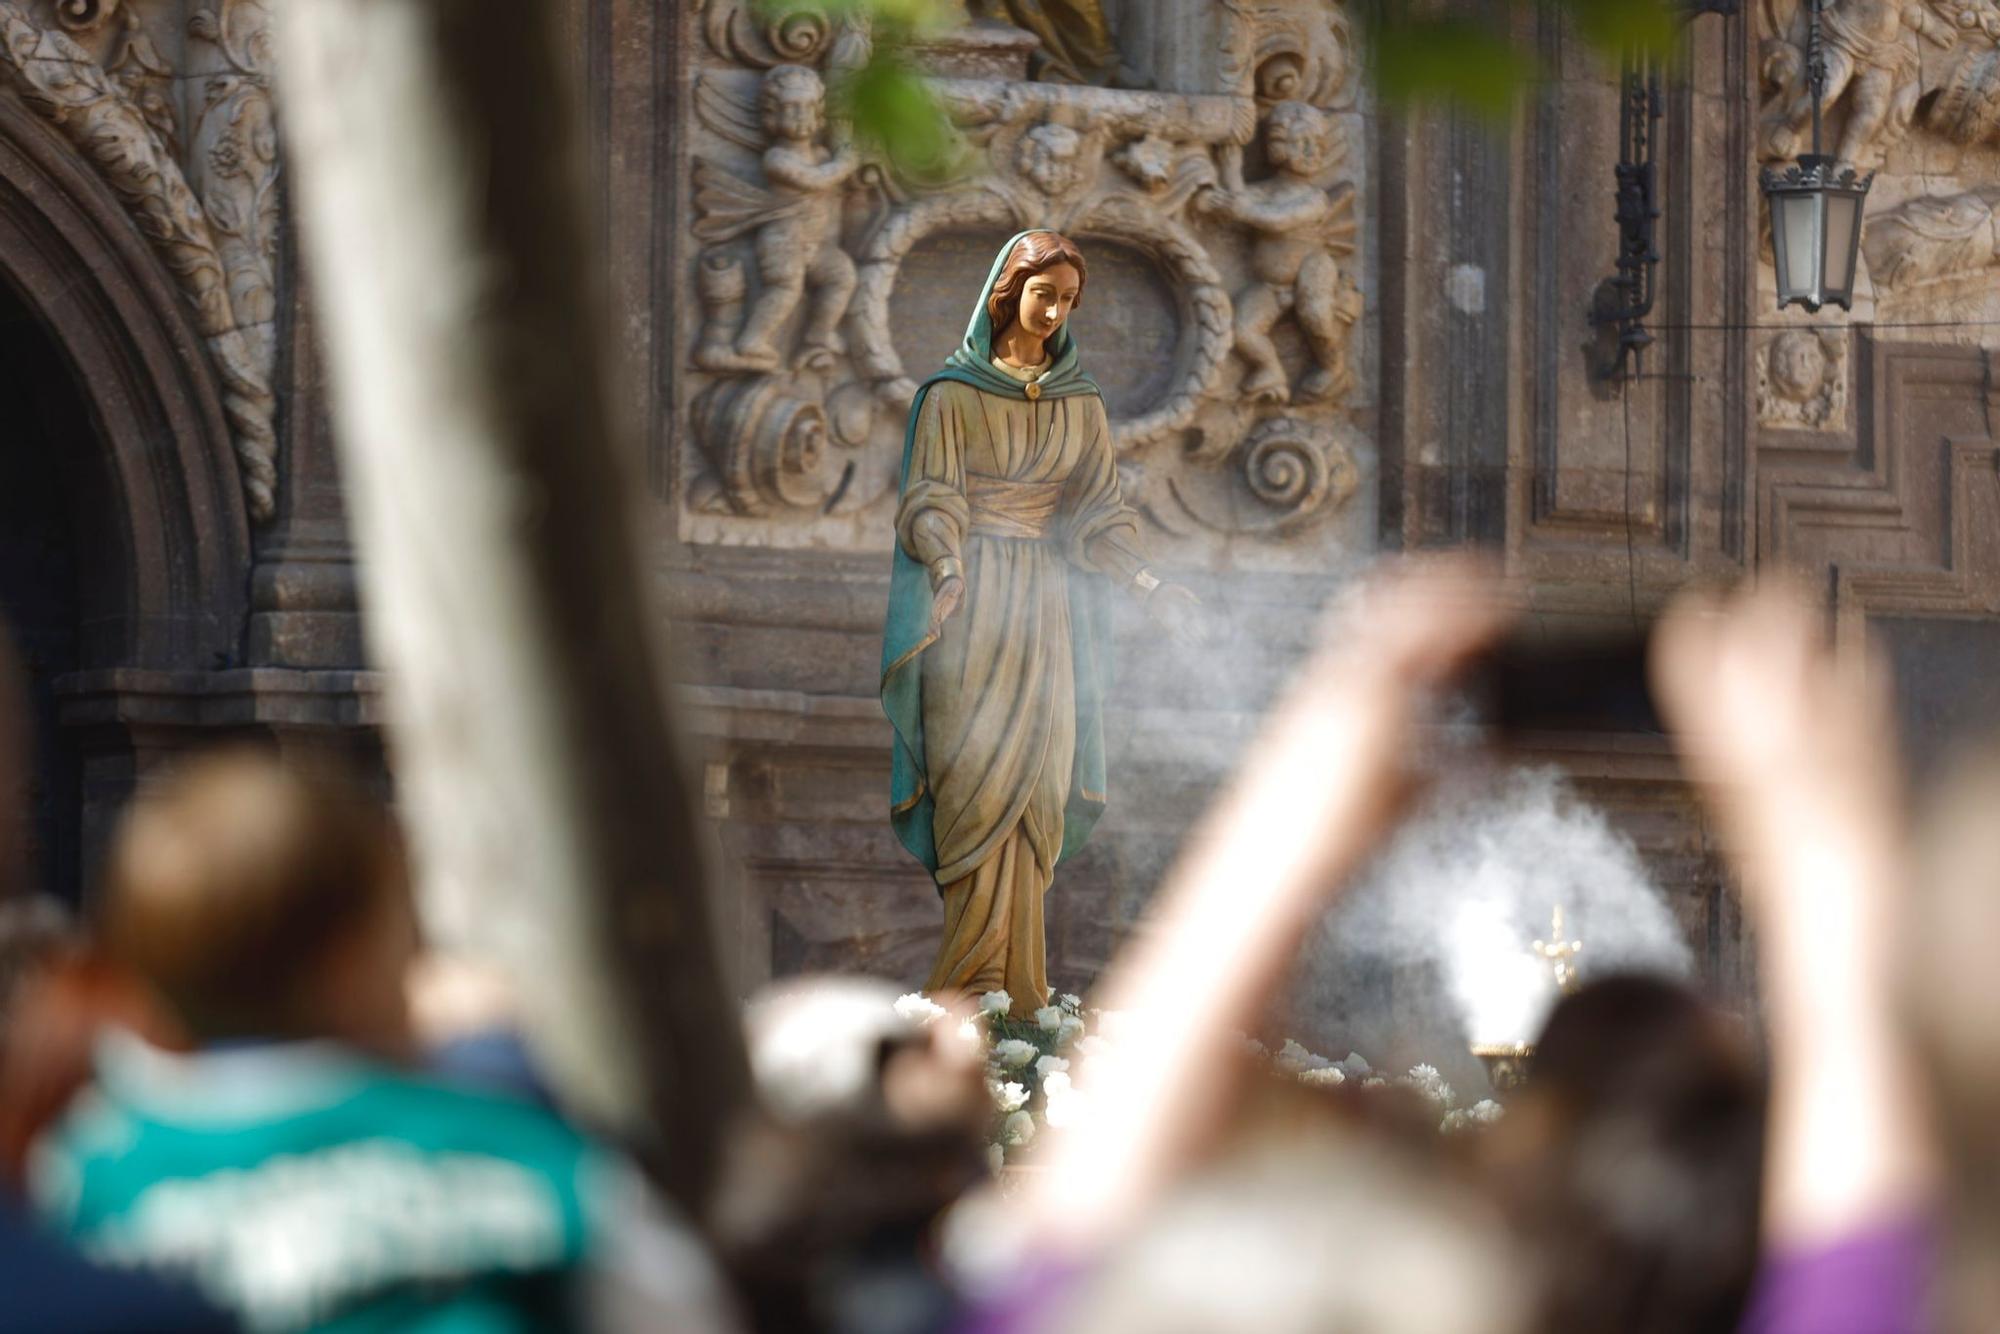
x,y
1467,886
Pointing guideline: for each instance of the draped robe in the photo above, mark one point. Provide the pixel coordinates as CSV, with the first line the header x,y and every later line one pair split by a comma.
x,y
1018,490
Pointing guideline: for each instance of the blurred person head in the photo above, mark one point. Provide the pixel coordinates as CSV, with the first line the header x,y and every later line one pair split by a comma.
x,y
1631,1161
1950,992
35,931
38,948
49,1039
264,901
875,1124
1299,1233
13,773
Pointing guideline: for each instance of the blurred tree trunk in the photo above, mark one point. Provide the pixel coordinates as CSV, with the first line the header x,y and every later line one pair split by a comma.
x,y
438,180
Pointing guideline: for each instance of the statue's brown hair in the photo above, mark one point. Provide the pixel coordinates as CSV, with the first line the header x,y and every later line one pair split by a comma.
x,y
1037,252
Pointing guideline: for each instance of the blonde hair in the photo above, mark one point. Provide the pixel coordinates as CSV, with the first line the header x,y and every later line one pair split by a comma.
x,y
229,884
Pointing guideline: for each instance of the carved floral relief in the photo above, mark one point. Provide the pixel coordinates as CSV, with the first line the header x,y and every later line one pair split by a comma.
x,y
200,183
1222,225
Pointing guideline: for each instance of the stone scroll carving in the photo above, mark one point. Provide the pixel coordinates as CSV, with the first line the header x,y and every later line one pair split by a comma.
x,y
1932,238
1290,53
205,195
1221,222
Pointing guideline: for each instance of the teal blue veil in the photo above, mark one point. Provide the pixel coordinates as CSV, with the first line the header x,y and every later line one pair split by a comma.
x,y
908,635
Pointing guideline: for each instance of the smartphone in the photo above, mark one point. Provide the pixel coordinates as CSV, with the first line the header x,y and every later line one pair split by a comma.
x,y
1538,680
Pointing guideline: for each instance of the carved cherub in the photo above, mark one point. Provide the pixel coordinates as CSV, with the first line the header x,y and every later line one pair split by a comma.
x,y
1301,230
1799,380
1871,63
1051,156
795,217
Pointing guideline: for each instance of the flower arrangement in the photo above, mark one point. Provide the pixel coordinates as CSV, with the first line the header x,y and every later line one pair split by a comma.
x,y
1028,1068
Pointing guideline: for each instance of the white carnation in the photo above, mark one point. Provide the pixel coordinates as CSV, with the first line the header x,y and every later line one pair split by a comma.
x,y
995,1002
1292,1058
1051,1065
918,1008
1482,1113
1071,1001
1008,1097
1018,1130
1064,1106
1426,1080
1049,1017
1069,1030
1326,1077
1013,1053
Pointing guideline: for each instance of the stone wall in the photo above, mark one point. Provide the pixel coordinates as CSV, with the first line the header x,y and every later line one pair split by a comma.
x,y
1434,378
1468,259
1243,403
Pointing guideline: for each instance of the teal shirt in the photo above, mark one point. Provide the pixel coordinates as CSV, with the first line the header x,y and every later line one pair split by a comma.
x,y
304,1188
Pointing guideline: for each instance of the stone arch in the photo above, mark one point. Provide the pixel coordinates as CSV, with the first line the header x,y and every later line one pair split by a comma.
x,y
172,499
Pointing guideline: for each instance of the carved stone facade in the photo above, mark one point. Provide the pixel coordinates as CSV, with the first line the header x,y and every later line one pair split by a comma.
x,y
194,155
1325,329
1226,316
1434,385
204,578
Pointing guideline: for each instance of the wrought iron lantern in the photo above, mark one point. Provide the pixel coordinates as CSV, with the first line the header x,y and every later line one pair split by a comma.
x,y
1624,301
1815,208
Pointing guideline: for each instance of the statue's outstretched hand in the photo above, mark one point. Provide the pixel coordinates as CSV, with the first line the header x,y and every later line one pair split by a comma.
x,y
945,600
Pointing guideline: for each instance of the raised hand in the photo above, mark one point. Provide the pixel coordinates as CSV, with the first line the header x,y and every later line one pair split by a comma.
x,y
1795,749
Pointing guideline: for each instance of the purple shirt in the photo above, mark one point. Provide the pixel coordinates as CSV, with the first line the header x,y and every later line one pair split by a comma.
x,y
1875,1280
1027,1303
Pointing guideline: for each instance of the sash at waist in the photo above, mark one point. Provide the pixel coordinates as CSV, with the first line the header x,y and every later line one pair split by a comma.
x,y
1004,508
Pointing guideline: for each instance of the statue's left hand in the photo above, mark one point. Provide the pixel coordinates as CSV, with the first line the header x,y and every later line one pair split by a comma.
x,y
944,601
1179,612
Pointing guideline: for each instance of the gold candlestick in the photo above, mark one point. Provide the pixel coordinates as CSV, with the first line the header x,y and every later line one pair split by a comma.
x,y
1557,953
1508,1063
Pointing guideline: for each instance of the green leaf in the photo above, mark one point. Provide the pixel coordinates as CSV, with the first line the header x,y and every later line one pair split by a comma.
x,y
1449,59
893,111
1626,25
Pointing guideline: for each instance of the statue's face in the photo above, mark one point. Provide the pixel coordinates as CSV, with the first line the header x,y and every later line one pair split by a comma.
x,y
1048,157
1047,299
1798,365
797,116
1296,138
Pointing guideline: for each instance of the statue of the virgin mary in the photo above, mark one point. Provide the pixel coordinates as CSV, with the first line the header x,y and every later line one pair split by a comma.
x,y
996,661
